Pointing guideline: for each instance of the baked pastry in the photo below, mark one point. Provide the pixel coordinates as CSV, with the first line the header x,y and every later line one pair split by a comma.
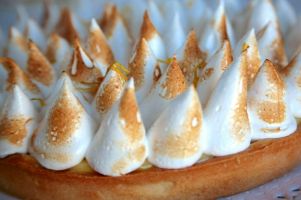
x,y
185,117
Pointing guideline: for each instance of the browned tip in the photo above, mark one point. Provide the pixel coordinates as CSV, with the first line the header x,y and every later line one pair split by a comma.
x,y
272,74
110,19
65,26
38,66
98,46
228,57
147,29
52,47
17,75
175,82
136,66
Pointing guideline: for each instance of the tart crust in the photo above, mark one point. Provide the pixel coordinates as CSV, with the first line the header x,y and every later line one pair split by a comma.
x,y
264,160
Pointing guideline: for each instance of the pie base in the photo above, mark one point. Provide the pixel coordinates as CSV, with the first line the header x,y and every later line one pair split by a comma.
x,y
22,176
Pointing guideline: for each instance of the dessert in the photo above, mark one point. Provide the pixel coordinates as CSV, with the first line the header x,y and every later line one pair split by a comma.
x,y
150,100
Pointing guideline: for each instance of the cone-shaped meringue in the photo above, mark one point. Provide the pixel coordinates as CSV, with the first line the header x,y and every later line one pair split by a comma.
x,y
63,136
216,32
150,34
65,26
17,122
113,25
100,51
213,71
268,109
190,57
83,72
171,84
51,14
271,45
252,55
109,91
17,47
16,76
175,140
174,35
292,77
39,68
58,52
34,33
144,69
226,112
120,145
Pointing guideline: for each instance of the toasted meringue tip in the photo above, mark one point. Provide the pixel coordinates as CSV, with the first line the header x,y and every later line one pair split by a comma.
x,y
94,25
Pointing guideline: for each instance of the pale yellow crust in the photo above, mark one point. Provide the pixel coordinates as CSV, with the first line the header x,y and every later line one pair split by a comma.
x,y
265,160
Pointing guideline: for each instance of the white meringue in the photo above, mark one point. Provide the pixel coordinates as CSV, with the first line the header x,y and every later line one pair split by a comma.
x,y
63,136
120,145
212,72
171,84
17,122
117,34
252,55
175,139
268,107
174,35
226,112
156,16
145,69
98,48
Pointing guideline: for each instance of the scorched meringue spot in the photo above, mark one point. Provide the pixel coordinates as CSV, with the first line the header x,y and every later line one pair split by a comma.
x,y
120,144
17,122
212,72
226,112
171,84
64,134
175,139
268,108
292,77
145,69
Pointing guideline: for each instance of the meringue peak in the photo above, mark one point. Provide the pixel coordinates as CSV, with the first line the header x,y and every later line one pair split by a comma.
x,y
109,91
144,68
38,66
229,131
267,104
110,19
172,82
17,76
253,57
81,67
65,26
147,30
98,47
191,57
175,140
213,70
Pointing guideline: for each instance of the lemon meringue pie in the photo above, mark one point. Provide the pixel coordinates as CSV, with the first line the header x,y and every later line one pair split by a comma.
x,y
149,99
